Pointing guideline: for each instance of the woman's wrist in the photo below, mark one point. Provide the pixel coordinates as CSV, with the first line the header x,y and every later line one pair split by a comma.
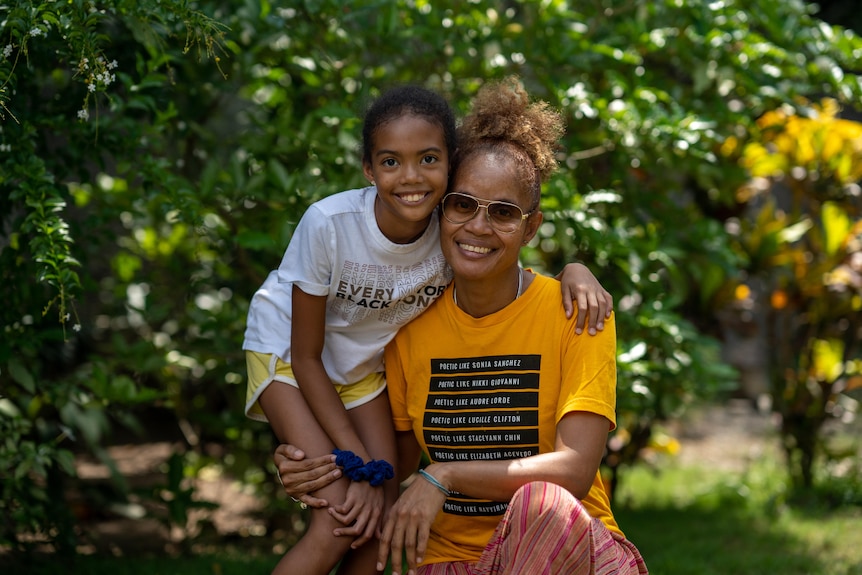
x,y
439,471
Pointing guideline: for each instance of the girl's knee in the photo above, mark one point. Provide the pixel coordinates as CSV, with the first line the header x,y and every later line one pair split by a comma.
x,y
320,530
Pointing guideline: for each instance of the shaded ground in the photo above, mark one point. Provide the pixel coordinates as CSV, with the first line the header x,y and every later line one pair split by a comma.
x,y
728,437
142,526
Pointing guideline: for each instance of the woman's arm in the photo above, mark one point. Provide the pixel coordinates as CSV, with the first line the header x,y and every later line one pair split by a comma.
x,y
581,286
300,476
580,442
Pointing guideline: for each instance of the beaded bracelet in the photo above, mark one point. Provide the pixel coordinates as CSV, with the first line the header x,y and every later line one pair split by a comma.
x,y
433,481
375,471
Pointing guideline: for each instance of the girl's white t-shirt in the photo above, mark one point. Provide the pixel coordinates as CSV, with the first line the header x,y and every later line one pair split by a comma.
x,y
372,286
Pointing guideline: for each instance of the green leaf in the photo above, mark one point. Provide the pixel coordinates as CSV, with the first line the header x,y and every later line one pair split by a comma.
x,y
837,225
22,375
66,460
280,175
126,265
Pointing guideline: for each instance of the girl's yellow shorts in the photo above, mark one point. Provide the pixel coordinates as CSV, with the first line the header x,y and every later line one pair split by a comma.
x,y
264,368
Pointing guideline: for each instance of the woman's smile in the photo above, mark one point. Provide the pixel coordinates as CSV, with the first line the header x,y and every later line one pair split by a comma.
x,y
474,249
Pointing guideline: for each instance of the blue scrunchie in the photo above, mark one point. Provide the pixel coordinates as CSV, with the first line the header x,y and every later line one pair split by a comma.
x,y
375,471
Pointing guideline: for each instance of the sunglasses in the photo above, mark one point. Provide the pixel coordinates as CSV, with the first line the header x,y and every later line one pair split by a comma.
x,y
503,216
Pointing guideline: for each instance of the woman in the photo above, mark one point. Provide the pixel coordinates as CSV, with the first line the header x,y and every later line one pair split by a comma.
x,y
492,384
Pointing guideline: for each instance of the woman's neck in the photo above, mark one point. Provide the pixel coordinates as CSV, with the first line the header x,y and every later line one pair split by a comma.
x,y
479,299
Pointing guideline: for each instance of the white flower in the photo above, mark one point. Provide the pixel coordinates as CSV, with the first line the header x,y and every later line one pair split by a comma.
x,y
7,51
112,64
35,32
83,115
67,316
91,87
5,147
85,63
76,327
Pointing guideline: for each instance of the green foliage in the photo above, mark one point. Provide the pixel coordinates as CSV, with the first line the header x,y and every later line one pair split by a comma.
x,y
64,98
803,248
26,505
155,156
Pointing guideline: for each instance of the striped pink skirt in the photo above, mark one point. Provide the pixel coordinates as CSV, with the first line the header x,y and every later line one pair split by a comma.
x,y
547,531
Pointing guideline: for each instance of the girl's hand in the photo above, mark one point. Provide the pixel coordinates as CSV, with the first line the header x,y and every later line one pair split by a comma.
x,y
595,303
361,512
407,526
300,476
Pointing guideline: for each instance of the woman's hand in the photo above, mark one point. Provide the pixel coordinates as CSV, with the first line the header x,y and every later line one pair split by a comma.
x,y
360,513
595,303
408,524
301,476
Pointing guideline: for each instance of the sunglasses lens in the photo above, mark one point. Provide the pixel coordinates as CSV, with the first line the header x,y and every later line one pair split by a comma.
x,y
505,217
458,208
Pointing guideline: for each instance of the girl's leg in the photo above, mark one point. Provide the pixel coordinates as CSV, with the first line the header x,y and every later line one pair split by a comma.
x,y
373,422
318,551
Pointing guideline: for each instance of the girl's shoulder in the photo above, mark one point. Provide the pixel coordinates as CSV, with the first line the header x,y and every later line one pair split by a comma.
x,y
355,200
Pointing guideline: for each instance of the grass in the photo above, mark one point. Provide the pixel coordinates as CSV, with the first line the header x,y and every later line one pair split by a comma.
x,y
696,521
222,564
685,520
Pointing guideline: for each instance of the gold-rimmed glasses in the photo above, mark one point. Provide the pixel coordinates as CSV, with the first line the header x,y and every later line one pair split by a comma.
x,y
504,217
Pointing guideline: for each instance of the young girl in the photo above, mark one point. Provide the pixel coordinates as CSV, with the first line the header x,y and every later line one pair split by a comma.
x,y
360,264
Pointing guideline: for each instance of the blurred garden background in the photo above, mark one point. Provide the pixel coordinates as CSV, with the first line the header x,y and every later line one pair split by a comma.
x,y
155,156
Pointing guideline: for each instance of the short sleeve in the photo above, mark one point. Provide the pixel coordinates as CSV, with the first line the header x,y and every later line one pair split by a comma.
x,y
307,262
590,375
396,385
